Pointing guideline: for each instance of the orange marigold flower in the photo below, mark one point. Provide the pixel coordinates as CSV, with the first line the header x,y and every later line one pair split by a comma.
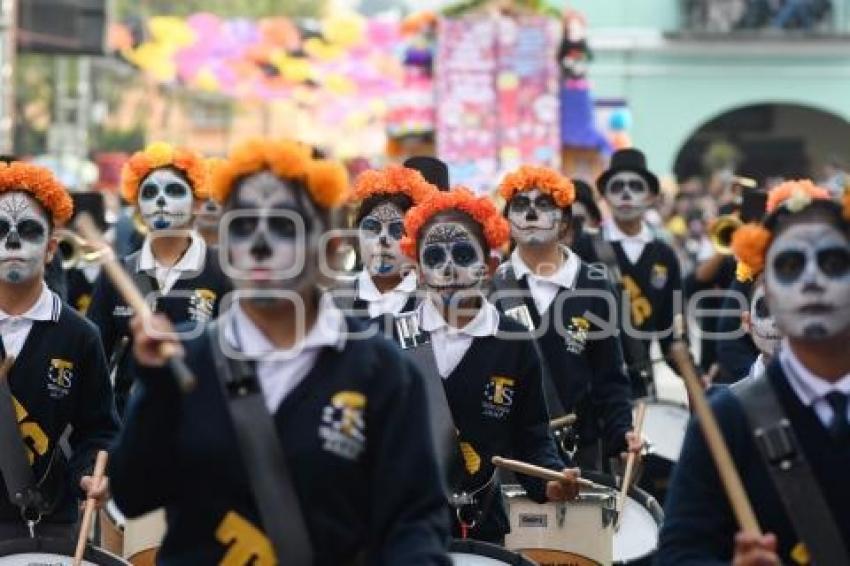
x,y
327,182
749,244
794,195
845,203
41,184
394,179
545,179
156,156
481,209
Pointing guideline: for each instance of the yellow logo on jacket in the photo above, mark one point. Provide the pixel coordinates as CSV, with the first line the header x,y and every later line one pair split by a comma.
x,y
202,305
343,427
35,440
246,544
60,377
640,306
498,396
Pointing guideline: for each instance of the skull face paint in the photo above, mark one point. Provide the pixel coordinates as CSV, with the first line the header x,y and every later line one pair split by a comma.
x,y
535,218
807,274
165,200
208,215
379,235
451,260
271,234
628,194
24,231
763,329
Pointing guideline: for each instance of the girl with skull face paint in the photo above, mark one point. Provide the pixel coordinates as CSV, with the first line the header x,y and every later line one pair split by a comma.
x,y
175,264
59,378
803,252
348,411
485,363
543,276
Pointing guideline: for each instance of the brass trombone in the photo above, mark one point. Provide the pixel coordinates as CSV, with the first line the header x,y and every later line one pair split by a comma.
x,y
76,251
721,232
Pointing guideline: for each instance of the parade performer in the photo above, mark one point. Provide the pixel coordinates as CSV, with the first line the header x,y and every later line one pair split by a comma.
x,y
790,424
59,379
174,263
345,415
550,289
486,370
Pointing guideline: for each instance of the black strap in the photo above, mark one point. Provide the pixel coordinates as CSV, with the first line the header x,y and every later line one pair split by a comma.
x,y
262,455
790,471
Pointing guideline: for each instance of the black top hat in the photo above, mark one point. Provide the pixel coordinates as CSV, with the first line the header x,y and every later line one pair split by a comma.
x,y
435,171
628,160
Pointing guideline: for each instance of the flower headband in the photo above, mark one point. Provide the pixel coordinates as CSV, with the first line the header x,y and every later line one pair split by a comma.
x,y
393,180
481,209
325,180
751,241
41,184
530,177
156,156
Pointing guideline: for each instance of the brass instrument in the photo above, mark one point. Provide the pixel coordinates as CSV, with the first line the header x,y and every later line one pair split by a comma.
x,y
721,232
76,250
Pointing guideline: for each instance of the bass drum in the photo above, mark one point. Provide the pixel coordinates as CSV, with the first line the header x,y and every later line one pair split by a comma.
x,y
477,553
47,551
137,540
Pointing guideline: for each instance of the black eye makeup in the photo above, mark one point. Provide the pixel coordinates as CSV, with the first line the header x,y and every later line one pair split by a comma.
x,y
520,203
463,254
149,191
31,230
5,228
834,262
371,225
396,230
789,265
635,186
176,190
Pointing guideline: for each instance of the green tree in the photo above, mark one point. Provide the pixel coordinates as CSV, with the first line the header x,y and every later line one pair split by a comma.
x,y
224,8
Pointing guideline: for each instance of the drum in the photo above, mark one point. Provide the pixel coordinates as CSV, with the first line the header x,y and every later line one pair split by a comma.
x,y
477,553
53,552
137,540
664,427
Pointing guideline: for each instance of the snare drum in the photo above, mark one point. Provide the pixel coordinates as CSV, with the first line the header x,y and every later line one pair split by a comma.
x,y
55,552
137,540
477,553
664,428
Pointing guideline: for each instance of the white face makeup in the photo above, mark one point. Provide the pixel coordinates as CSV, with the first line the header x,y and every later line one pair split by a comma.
x,y
451,260
379,235
165,200
629,195
535,218
763,329
807,276
271,234
24,231
208,215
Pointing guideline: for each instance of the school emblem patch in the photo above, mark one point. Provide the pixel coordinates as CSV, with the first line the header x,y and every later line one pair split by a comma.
x,y
498,396
60,377
343,427
201,305
576,334
658,277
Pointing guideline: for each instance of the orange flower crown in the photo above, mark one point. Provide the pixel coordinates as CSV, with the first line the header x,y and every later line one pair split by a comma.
x,y
481,209
41,184
393,180
156,156
845,203
325,180
529,177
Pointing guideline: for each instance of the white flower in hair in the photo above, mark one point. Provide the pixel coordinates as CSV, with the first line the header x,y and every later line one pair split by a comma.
x,y
799,200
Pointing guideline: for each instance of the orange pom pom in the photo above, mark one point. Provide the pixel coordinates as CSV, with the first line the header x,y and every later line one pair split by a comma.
x,y
845,204
749,244
544,179
156,156
394,179
794,195
41,184
327,182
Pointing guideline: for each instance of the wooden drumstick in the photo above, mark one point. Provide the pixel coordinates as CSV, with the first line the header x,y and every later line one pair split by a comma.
x,y
630,466
541,473
85,526
726,469
566,420
131,295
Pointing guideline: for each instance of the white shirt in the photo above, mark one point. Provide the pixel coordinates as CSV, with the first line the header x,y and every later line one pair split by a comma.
x,y
810,389
450,344
191,261
632,245
390,302
14,329
758,367
544,288
281,370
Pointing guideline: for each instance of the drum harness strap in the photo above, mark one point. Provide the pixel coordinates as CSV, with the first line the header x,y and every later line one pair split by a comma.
x,y
790,471
262,455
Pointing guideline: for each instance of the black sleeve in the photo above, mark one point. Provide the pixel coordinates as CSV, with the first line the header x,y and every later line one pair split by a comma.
x,y
532,439
669,308
410,515
95,422
101,310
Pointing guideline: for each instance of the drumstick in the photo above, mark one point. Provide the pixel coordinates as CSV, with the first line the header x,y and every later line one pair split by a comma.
x,y
566,420
6,366
630,466
713,437
131,295
541,473
85,526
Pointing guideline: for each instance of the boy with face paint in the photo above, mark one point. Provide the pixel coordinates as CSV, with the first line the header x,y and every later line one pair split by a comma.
x,y
559,295
803,249
485,362
760,324
649,268
348,411
59,378
175,268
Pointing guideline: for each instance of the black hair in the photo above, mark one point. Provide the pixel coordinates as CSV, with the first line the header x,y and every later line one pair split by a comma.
x,y
820,210
586,196
454,215
401,200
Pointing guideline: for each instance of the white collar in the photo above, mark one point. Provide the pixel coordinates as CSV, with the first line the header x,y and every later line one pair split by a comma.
x,y
484,323
808,387
565,276
368,291
242,334
192,259
44,308
613,233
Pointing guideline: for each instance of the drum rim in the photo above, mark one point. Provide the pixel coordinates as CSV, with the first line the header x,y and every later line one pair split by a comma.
x,y
667,402
489,550
60,546
646,500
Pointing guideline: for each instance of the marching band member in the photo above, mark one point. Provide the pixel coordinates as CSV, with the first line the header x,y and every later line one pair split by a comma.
x,y
803,248
760,324
59,379
175,265
544,285
484,362
353,430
